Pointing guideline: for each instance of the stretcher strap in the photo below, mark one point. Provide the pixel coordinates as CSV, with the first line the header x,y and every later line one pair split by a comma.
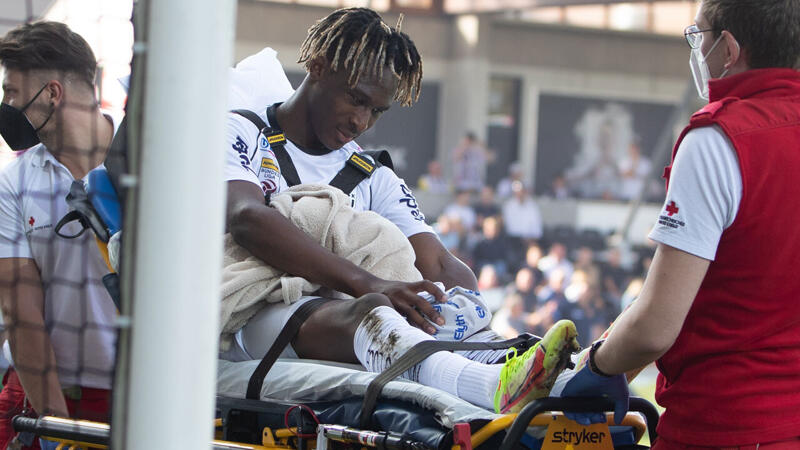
x,y
414,356
286,335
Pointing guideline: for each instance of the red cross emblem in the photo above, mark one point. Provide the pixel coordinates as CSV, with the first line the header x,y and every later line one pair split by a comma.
x,y
31,221
672,208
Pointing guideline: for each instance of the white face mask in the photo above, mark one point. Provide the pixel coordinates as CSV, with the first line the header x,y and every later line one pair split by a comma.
x,y
697,62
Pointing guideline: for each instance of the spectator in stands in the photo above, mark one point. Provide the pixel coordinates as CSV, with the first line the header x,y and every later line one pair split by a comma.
x,y
543,318
533,254
486,206
462,210
470,159
489,285
615,277
504,186
584,261
433,181
521,215
59,317
556,259
631,292
487,278
549,297
510,319
558,188
583,305
493,248
449,231
524,286
633,171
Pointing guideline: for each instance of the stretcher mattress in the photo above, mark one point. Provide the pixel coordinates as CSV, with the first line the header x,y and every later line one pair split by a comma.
x,y
302,380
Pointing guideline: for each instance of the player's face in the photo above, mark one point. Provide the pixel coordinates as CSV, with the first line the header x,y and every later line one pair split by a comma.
x,y
340,112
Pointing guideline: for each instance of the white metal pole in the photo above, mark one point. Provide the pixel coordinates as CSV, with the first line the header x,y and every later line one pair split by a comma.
x,y
180,225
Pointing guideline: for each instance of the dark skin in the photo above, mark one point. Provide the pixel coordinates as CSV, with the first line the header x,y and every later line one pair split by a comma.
x,y
322,115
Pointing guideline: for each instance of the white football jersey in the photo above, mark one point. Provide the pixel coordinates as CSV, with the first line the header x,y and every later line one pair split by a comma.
x,y
250,158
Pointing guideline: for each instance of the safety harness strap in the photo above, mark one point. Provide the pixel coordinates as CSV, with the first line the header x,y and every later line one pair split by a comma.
x,y
277,142
356,169
286,335
359,167
83,212
419,352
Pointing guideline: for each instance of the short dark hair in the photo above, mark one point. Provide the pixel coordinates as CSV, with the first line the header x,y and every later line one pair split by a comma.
x,y
768,29
48,46
358,41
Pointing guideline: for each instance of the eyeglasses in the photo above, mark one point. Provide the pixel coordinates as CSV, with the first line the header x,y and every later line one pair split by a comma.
x,y
693,36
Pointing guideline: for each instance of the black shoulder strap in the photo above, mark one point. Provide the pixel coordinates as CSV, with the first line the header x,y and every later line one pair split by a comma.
x,y
276,139
83,212
252,117
276,142
415,355
381,156
286,335
357,168
117,159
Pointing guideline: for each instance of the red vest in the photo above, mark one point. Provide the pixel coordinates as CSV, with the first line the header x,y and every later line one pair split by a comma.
x,y
733,375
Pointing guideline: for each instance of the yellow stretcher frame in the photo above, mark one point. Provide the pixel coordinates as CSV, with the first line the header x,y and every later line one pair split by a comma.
x,y
280,439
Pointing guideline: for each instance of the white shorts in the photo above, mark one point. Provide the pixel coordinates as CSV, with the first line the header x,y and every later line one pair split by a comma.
x,y
254,339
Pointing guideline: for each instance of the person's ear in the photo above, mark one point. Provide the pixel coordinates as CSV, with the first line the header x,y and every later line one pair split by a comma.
x,y
733,50
317,68
54,92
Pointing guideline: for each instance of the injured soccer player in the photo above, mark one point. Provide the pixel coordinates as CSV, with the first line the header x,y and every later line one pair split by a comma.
x,y
277,259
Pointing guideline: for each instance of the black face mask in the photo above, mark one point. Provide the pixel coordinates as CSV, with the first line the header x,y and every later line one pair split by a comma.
x,y
16,129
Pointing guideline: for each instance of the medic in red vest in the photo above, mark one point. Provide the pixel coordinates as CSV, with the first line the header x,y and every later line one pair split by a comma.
x,y
720,308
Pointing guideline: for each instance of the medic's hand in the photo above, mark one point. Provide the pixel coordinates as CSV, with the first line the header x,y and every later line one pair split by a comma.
x,y
582,382
405,300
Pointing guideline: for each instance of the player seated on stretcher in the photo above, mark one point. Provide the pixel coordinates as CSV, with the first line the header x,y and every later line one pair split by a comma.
x,y
357,66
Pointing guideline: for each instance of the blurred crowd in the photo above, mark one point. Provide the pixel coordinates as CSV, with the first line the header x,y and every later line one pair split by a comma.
x,y
530,275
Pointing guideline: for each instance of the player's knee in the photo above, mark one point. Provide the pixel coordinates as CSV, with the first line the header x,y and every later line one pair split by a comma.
x,y
366,303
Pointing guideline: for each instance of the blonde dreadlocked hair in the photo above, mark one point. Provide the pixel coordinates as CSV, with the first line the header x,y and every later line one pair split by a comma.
x,y
358,41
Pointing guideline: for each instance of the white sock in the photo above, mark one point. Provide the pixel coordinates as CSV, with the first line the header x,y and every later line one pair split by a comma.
x,y
484,356
384,336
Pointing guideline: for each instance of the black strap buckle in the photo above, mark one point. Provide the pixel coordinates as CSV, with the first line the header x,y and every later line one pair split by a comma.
x,y
275,136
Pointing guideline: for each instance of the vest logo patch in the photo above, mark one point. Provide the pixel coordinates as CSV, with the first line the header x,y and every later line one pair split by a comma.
x,y
668,220
672,208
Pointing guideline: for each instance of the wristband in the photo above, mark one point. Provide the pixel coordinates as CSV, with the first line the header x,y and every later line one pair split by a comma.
x,y
592,364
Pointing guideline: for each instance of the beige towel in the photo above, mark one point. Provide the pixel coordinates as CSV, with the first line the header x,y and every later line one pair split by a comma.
x,y
362,237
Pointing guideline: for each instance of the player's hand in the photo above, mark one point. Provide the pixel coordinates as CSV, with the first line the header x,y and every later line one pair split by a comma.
x,y
582,382
405,300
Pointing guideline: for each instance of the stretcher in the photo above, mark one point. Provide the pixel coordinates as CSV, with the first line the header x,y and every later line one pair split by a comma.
x,y
317,405
303,404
